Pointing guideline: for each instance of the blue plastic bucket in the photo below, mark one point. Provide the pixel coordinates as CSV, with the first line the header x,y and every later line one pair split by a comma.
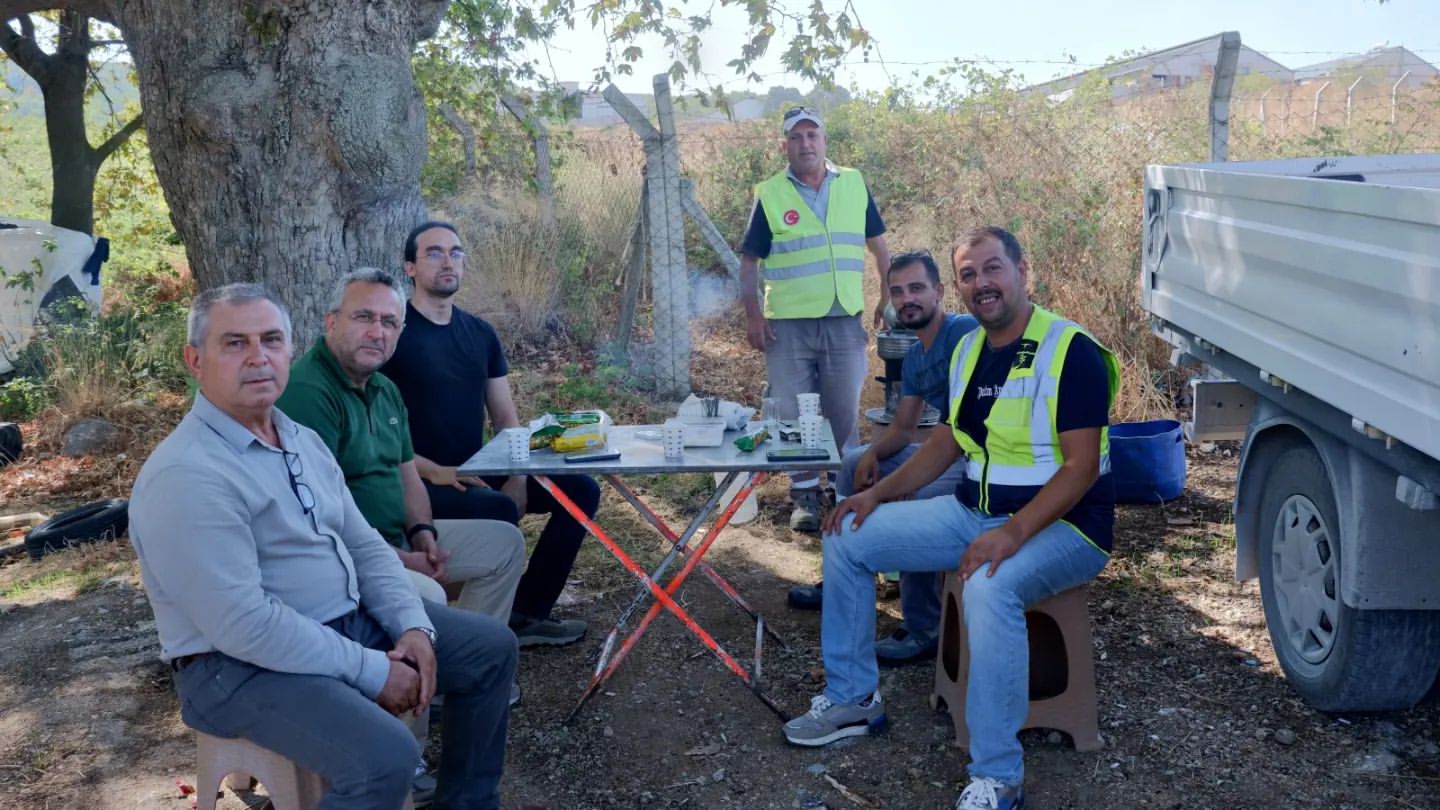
x,y
1147,461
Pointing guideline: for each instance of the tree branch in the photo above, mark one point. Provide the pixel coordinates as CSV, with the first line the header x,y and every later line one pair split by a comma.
x,y
427,16
98,9
114,141
74,35
100,86
24,51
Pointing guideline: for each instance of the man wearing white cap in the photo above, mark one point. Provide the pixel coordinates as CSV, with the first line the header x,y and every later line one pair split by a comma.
x,y
802,262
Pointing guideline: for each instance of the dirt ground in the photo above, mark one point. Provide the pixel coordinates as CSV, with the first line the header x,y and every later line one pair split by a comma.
x,y
1194,711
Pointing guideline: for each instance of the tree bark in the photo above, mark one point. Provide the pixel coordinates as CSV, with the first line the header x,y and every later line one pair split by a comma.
x,y
288,136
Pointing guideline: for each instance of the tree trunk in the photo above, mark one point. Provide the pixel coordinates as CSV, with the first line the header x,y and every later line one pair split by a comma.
x,y
288,137
72,162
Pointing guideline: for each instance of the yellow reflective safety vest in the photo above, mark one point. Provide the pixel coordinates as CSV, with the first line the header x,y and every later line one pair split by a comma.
x,y
1022,446
813,263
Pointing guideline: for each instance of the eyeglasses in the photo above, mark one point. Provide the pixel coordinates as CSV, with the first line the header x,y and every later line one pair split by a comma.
x,y
796,111
436,254
368,318
302,491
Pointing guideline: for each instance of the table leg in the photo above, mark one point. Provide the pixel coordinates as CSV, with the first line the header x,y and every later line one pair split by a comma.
x,y
681,544
672,587
662,598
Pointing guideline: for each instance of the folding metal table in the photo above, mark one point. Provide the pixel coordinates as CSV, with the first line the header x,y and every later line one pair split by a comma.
x,y
644,456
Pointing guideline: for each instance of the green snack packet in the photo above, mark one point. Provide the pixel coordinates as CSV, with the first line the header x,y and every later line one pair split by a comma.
x,y
574,418
754,440
545,436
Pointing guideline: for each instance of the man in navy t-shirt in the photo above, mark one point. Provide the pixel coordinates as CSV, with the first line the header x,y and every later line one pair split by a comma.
x,y
451,372
1030,394
919,300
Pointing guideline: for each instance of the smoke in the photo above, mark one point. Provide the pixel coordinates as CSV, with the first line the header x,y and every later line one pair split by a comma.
x,y
711,294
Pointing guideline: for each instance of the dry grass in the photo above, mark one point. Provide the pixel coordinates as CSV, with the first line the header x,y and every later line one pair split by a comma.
x,y
43,476
66,574
539,282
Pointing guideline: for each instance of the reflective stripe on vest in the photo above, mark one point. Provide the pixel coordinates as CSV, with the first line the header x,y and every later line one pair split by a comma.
x,y
813,263
1022,446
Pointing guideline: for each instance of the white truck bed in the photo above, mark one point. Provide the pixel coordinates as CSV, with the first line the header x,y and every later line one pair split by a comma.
x,y
1328,285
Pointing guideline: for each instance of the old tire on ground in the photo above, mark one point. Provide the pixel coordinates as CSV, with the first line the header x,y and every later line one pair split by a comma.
x,y
11,443
102,520
1337,657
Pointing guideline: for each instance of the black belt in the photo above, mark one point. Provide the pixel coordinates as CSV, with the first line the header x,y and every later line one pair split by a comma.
x,y
183,661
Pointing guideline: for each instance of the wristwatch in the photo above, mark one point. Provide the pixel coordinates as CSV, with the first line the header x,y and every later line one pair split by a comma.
x,y
421,527
430,634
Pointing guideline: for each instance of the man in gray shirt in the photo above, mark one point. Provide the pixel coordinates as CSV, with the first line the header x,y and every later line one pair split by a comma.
x,y
288,620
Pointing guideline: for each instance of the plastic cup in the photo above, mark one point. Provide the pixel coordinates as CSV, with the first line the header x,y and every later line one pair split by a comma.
x,y
770,417
517,439
810,431
672,438
809,404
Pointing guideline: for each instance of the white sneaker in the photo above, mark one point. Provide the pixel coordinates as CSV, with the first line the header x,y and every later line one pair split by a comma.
x,y
984,793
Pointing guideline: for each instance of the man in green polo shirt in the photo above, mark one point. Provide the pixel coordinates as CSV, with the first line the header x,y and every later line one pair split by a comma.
x,y
336,390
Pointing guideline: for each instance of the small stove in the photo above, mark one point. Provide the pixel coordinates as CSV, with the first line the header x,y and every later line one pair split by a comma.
x,y
891,344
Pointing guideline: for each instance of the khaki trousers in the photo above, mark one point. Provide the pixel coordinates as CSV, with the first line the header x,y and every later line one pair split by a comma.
x,y
487,556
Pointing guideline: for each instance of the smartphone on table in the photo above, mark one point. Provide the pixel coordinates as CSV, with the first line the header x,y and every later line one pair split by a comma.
x,y
797,454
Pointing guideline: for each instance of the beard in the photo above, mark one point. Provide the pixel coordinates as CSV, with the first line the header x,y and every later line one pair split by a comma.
x,y
443,289
916,320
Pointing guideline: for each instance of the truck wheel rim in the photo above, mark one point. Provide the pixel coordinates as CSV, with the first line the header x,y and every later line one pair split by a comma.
x,y
1304,574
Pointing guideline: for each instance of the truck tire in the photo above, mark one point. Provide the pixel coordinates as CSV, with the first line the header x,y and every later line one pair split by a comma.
x,y
102,520
1338,658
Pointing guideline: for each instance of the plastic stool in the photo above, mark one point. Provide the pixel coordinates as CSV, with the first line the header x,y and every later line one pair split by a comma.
x,y
1062,665
289,786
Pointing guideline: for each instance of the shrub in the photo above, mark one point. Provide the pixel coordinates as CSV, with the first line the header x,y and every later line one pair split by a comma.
x,y
537,281
21,398
91,362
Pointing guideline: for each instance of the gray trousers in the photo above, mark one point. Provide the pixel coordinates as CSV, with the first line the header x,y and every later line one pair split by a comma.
x,y
366,754
919,590
824,356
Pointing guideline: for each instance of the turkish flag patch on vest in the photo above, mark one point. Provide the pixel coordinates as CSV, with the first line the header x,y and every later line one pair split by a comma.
x,y
792,216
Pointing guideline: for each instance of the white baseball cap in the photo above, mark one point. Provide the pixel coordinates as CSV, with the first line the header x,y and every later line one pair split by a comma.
x,y
795,115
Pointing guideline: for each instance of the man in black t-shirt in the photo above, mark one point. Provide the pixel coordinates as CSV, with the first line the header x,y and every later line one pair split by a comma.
x,y
1030,394
451,372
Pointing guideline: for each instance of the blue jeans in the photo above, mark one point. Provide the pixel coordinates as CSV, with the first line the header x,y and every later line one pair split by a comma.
x,y
919,590
930,535
367,755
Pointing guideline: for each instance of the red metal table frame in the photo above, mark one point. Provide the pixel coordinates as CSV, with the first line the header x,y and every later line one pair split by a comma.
x,y
645,457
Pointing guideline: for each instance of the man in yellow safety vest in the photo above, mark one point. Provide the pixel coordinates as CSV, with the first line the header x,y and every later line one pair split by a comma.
x,y
1030,395
801,265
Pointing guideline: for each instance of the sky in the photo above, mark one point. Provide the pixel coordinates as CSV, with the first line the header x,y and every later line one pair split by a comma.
x,y
1038,38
